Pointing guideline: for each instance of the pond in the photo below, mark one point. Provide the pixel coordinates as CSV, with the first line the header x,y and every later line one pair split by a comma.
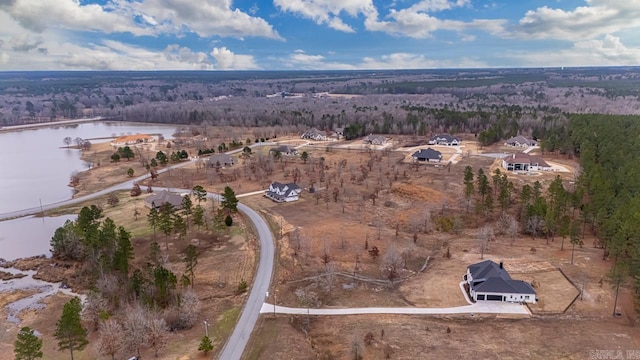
x,y
28,236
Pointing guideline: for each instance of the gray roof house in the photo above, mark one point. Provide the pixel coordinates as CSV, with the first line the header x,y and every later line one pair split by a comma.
x,y
444,139
284,149
427,155
520,141
374,139
279,192
164,196
488,281
221,160
314,134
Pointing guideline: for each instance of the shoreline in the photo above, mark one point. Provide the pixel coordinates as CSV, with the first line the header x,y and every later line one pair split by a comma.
x,y
50,124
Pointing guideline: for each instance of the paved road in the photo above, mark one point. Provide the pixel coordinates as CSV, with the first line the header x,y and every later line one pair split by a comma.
x,y
240,336
122,186
484,307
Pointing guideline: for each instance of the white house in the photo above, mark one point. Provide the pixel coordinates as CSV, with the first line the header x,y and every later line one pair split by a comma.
x,y
314,134
488,281
374,139
520,141
444,139
525,162
283,192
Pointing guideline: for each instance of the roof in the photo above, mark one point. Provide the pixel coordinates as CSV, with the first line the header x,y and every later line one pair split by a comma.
x,y
488,269
522,158
282,187
222,158
520,139
162,197
447,137
496,279
428,153
283,149
132,138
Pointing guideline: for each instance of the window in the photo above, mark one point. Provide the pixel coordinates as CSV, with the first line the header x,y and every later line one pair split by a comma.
x,y
481,297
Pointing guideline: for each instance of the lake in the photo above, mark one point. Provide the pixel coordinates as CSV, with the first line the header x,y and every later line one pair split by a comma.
x,y
28,236
36,168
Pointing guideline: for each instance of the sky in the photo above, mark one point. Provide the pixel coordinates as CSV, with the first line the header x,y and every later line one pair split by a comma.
x,y
316,34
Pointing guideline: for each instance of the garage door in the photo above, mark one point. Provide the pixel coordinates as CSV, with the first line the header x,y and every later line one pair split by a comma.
x,y
494,297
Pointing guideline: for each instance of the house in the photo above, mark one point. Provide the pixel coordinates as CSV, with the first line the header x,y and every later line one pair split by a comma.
x,y
444,139
283,192
132,140
284,150
428,154
374,139
338,132
314,134
488,281
221,160
157,200
524,162
520,141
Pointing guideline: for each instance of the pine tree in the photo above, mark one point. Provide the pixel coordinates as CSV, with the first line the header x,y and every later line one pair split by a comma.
x,y
28,346
191,260
230,202
468,185
205,345
69,330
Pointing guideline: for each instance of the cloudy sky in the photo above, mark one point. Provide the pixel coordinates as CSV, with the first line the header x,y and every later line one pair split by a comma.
x,y
315,34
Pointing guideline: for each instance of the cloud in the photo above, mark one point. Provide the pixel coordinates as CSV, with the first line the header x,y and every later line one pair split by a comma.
x,y
206,18
227,60
24,42
414,61
142,17
328,12
597,18
301,60
71,14
416,23
608,51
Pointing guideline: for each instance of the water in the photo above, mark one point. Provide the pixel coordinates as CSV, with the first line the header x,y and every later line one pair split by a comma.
x,y
29,236
34,167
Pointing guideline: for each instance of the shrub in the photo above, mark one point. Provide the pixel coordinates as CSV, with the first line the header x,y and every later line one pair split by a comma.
x,y
242,286
228,220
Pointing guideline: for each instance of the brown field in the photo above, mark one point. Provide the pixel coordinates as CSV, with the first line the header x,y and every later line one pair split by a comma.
x,y
366,198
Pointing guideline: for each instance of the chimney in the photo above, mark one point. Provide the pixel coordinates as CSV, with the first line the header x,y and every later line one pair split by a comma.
x,y
513,156
501,265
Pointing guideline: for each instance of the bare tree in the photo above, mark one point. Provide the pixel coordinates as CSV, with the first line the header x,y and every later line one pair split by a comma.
x,y
110,341
134,329
157,335
189,309
512,228
94,307
392,263
485,234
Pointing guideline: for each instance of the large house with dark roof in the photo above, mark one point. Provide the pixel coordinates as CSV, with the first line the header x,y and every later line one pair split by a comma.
x,y
155,201
429,155
488,281
221,160
279,192
374,139
444,139
314,134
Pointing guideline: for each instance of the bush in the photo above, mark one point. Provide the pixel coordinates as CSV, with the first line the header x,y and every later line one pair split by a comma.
x,y
228,220
242,287
444,224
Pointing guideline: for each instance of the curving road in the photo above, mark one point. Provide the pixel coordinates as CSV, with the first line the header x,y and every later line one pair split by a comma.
x,y
235,345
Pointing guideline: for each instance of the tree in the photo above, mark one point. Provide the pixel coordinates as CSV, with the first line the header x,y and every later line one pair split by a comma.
x,y
113,199
157,335
198,217
69,330
205,345
179,226
115,158
229,201
190,261
165,221
110,341
123,253
154,219
135,190
162,158
574,237
483,184
304,156
187,207
126,152
228,220
130,172
67,141
468,185
246,150
28,346
134,329
485,234
200,193
392,263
